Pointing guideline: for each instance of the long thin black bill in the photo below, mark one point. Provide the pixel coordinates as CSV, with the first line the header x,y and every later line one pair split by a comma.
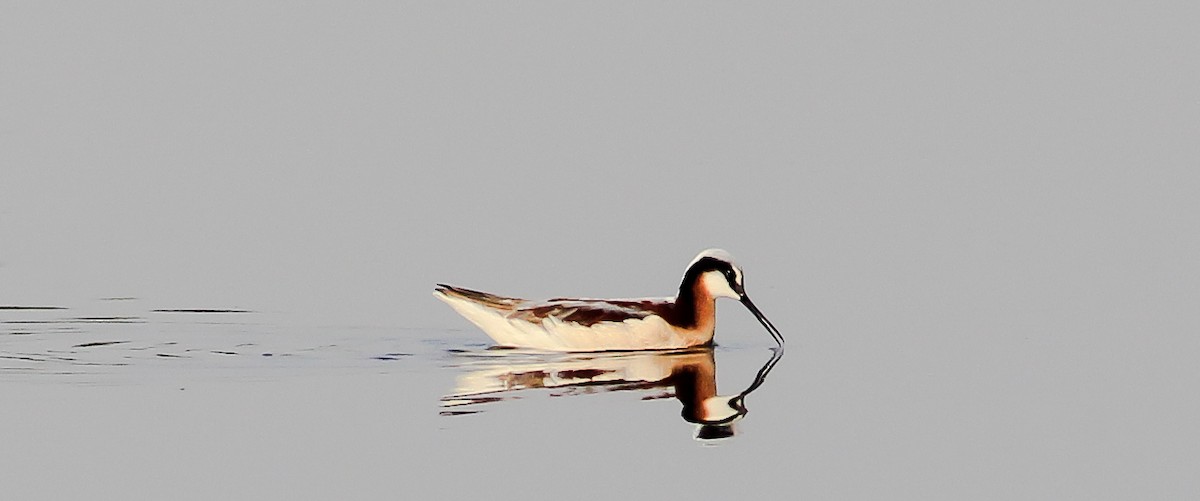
x,y
763,318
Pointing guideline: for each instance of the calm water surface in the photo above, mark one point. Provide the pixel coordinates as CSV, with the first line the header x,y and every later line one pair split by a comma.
x,y
198,400
204,403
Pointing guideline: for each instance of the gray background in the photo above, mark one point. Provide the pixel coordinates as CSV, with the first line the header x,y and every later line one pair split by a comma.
x,y
975,223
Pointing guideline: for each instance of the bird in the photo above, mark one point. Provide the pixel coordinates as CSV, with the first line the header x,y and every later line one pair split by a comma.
x,y
588,325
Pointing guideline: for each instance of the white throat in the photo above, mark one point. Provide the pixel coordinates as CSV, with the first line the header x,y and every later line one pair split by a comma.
x,y
714,282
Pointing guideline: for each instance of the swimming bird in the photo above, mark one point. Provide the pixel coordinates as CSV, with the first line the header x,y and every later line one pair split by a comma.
x,y
565,324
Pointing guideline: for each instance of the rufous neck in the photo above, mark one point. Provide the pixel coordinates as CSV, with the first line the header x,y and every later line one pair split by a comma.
x,y
696,306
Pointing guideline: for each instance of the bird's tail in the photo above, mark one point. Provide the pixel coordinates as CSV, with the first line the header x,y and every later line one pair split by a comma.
x,y
481,298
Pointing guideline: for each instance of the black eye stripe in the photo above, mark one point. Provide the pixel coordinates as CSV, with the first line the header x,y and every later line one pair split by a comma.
x,y
708,264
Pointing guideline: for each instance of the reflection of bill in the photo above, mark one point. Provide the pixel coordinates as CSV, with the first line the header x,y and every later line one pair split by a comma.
x,y
691,376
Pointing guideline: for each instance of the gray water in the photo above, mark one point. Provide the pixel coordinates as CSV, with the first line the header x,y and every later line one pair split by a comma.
x,y
977,227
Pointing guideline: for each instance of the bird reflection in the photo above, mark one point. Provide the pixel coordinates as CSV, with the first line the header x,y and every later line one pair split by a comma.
x,y
687,375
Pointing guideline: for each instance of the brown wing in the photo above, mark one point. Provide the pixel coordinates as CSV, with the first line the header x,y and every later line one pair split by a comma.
x,y
587,312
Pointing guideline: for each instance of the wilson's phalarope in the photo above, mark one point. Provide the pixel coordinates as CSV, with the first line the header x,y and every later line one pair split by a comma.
x,y
562,324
